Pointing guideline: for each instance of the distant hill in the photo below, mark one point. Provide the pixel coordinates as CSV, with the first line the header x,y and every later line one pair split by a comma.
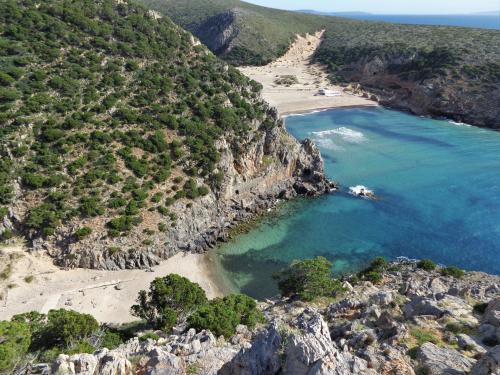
x,y
240,32
430,70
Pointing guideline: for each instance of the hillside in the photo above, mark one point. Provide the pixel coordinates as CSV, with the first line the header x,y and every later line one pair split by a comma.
x,y
429,70
124,141
241,33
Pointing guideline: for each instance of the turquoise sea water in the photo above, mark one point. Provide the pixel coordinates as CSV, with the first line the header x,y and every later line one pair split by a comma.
x,y
438,185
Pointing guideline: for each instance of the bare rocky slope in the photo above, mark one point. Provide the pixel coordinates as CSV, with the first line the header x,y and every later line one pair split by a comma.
x,y
413,322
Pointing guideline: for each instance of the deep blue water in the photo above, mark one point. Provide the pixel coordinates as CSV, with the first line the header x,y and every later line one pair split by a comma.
x,y
485,22
438,189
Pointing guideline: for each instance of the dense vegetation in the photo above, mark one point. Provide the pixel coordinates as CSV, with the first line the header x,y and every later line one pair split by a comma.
x,y
173,300
308,279
44,336
108,112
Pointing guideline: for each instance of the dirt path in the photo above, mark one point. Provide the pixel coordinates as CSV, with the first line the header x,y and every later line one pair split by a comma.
x,y
35,284
301,96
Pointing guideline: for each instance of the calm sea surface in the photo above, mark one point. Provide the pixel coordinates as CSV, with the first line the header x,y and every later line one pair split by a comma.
x,y
485,22
438,185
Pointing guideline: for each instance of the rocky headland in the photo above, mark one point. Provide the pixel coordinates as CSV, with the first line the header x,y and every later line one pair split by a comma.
x,y
413,322
275,167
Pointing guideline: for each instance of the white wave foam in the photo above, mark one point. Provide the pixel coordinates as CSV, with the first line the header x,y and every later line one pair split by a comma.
x,y
348,135
459,123
301,114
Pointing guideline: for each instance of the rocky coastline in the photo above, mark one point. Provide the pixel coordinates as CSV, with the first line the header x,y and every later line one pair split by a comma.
x,y
274,168
413,322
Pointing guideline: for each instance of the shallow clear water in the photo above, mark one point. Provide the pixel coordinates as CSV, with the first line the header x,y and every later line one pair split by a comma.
x,y
438,185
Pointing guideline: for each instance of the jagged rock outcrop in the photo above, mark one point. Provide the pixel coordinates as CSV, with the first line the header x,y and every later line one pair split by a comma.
x,y
366,333
217,32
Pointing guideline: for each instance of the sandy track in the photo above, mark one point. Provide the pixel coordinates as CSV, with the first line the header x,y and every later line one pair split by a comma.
x,y
300,97
107,295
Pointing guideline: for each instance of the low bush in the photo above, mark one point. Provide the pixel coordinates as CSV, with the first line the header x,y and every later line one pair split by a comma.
x,y
427,265
83,232
222,315
308,279
453,271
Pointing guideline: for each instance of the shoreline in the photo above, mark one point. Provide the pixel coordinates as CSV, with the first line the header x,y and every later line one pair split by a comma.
x,y
36,284
301,93
304,112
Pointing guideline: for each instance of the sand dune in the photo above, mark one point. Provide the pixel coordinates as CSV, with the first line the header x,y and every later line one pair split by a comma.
x,y
301,96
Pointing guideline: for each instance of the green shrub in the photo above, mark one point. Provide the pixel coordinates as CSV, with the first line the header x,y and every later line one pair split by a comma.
x,y
422,336
453,271
7,234
373,276
168,298
14,344
83,232
374,272
308,279
222,315
480,308
426,264
111,340
66,327
149,336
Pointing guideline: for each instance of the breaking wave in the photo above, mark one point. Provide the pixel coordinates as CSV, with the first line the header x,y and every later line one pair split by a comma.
x,y
348,135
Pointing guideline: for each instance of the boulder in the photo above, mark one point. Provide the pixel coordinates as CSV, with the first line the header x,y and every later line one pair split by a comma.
x,y
422,306
465,342
114,363
492,313
443,361
381,298
489,364
341,363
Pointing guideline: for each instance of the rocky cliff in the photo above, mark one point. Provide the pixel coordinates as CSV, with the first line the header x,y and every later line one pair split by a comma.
x,y
275,167
413,322
448,95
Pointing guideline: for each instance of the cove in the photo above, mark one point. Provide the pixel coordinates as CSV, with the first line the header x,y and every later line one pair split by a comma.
x,y
438,189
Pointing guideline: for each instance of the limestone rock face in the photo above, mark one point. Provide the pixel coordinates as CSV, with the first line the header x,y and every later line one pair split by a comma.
x,y
442,361
261,358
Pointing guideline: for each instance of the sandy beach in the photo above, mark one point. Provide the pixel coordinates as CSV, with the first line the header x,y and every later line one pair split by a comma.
x,y
302,96
35,284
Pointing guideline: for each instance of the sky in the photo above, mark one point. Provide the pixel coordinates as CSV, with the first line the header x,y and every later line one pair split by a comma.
x,y
387,6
